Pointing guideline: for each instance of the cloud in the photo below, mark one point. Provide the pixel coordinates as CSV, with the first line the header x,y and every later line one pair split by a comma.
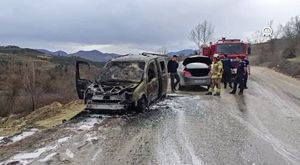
x,y
132,24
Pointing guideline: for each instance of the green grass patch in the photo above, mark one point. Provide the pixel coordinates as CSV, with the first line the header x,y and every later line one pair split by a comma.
x,y
296,59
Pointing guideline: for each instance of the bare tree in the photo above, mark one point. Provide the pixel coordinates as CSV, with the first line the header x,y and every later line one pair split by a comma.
x,y
260,36
201,33
291,33
256,37
292,29
163,50
33,82
271,39
29,82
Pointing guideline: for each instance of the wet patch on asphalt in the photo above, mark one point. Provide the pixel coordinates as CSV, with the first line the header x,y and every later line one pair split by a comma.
x,y
182,129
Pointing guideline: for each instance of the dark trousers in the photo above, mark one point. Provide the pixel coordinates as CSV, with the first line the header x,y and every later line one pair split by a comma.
x,y
245,80
226,77
174,76
239,80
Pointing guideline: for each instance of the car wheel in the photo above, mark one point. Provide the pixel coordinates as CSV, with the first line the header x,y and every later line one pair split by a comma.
x,y
141,105
180,87
208,86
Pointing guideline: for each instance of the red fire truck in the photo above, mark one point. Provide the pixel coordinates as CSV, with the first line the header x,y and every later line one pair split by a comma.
x,y
234,48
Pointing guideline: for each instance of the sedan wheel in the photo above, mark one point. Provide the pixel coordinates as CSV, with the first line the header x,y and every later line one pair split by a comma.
x,y
180,87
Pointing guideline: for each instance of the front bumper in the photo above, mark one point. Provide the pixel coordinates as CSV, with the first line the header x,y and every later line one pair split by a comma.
x,y
113,103
106,106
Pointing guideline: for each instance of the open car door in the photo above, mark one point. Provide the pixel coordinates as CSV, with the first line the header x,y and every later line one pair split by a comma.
x,y
81,84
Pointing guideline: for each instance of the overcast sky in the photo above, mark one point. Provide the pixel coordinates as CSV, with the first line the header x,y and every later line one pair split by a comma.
x,y
131,26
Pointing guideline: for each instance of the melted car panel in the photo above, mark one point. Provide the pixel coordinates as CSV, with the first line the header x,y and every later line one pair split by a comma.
x,y
130,82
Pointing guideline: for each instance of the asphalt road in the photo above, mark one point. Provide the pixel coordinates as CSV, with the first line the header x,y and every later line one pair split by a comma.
x,y
260,127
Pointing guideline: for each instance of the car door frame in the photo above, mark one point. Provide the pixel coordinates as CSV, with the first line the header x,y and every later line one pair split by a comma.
x,y
163,77
153,85
81,84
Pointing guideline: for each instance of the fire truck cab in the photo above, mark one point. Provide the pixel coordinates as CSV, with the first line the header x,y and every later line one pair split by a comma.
x,y
234,48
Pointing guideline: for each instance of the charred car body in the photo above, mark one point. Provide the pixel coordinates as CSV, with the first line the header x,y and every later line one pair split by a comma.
x,y
126,82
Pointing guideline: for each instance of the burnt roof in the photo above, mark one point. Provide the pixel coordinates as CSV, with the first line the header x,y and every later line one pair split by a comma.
x,y
135,57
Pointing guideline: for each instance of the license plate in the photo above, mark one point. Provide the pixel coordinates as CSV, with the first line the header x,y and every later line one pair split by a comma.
x,y
199,81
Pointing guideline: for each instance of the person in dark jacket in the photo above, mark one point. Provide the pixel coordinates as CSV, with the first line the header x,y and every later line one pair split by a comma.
x,y
239,78
172,69
226,71
246,62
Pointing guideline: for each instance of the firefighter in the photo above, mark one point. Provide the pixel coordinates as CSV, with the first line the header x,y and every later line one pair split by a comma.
x,y
172,69
226,71
216,75
240,76
246,62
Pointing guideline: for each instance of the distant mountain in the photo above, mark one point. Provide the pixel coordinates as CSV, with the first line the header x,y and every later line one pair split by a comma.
x,y
57,53
10,49
185,52
44,51
95,55
24,53
60,53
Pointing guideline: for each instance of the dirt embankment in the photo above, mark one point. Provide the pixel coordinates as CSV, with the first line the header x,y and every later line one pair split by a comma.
x,y
278,56
43,118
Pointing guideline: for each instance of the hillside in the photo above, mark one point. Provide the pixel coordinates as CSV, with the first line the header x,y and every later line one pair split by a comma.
x,y
277,54
185,52
30,79
18,50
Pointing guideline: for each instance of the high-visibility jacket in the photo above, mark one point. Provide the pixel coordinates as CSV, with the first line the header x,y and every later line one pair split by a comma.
x,y
217,69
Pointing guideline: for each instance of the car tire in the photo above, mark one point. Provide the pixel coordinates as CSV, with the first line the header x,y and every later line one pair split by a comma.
x,y
208,86
180,87
141,105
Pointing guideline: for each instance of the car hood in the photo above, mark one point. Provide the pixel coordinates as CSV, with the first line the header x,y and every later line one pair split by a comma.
x,y
200,59
104,88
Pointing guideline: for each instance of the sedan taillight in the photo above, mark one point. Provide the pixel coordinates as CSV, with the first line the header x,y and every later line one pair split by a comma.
x,y
186,73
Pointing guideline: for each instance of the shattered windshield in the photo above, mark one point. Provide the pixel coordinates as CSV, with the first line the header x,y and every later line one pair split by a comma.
x,y
229,48
123,71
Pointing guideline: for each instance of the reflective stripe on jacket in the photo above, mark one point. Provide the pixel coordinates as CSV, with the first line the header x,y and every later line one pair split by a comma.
x,y
217,70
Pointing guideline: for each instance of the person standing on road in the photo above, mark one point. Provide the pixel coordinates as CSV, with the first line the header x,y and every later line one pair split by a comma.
x,y
226,71
239,78
172,69
216,75
246,61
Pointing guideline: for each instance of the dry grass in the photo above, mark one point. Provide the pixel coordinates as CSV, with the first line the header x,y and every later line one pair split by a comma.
x,y
43,118
66,112
262,56
296,59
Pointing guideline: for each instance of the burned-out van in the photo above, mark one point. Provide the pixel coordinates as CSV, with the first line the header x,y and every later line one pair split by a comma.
x,y
129,82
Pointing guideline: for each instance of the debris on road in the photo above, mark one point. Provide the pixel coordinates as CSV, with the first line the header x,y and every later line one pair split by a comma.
x,y
24,158
18,137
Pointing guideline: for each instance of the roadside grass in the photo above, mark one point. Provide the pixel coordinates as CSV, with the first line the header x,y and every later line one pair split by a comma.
x,y
43,118
296,59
